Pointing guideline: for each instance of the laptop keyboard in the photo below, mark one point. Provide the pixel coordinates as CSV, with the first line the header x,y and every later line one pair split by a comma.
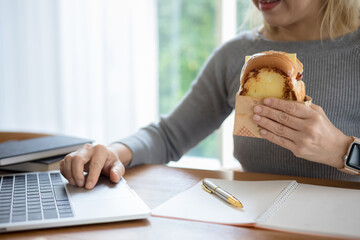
x,y
33,196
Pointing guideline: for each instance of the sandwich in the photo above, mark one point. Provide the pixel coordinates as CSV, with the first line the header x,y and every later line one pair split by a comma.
x,y
272,74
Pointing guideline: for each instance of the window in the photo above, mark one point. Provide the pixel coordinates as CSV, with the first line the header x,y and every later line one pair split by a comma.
x,y
187,36
85,64
188,32
79,68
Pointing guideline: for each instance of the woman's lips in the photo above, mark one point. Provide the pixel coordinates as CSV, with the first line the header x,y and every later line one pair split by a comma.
x,y
265,5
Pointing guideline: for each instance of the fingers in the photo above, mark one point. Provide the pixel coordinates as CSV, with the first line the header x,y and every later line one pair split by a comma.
x,y
281,141
276,128
65,168
113,167
117,170
72,167
292,108
96,165
77,169
279,116
96,160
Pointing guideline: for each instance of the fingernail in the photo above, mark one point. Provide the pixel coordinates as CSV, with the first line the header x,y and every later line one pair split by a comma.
x,y
115,169
116,177
89,184
267,101
256,117
72,182
257,109
263,132
81,183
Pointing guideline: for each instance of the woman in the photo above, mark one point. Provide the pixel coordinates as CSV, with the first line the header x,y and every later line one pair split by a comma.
x,y
308,142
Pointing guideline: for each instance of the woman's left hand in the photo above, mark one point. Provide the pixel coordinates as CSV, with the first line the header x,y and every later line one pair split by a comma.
x,y
304,130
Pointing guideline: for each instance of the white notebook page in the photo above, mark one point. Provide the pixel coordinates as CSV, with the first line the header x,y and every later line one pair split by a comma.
x,y
197,204
318,210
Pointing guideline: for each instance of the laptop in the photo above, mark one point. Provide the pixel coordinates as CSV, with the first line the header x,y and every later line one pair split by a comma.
x,y
37,200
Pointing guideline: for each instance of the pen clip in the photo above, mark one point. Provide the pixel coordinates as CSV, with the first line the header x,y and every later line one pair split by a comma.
x,y
206,189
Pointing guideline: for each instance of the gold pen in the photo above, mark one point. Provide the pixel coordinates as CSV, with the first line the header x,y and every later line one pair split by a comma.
x,y
210,187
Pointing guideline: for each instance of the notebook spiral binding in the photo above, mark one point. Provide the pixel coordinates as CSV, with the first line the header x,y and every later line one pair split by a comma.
x,y
278,202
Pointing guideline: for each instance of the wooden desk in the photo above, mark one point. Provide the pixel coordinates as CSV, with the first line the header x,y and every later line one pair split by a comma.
x,y
156,184
6,136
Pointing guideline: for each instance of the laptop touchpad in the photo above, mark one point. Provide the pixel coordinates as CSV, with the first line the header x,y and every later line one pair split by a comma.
x,y
104,189
105,200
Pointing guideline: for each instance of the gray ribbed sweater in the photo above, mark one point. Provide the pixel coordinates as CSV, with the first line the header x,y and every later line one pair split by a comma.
x,y
332,79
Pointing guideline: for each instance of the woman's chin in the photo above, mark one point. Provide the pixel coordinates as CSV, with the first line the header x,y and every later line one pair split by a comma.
x,y
276,20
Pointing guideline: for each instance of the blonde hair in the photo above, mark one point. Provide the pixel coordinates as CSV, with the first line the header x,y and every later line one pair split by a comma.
x,y
339,17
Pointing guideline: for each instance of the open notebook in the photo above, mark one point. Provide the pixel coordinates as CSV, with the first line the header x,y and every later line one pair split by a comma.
x,y
278,205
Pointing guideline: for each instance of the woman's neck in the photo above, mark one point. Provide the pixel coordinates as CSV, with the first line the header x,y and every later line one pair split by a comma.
x,y
288,34
295,32
306,29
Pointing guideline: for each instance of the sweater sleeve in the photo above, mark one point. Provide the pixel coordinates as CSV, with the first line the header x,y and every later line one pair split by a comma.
x,y
200,112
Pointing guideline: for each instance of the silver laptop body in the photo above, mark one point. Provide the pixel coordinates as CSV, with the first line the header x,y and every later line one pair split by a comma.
x,y
45,200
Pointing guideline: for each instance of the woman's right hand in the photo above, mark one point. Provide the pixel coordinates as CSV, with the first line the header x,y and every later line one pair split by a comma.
x,y
96,160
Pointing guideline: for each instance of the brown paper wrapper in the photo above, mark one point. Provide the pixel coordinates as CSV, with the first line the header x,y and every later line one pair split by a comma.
x,y
244,111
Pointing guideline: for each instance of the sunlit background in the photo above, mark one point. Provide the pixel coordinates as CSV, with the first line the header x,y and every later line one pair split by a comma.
x,y
101,69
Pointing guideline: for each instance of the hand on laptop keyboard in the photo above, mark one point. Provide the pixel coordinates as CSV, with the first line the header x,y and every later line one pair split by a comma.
x,y
96,160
